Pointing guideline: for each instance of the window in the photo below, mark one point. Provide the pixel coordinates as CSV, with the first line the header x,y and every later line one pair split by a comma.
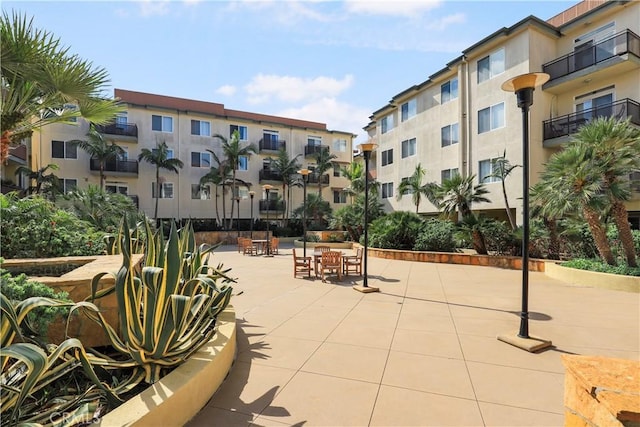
x,y
71,107
449,135
314,140
408,110
200,160
486,168
595,104
68,185
336,169
162,123
166,190
243,163
242,130
387,190
387,157
490,66
409,190
116,189
340,145
491,118
408,147
200,192
593,47
64,150
448,174
201,128
121,120
339,196
386,123
169,153
449,91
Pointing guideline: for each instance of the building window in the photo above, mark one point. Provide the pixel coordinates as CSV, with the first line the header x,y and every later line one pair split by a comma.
x,y
408,147
387,190
314,140
448,174
243,163
68,185
486,168
116,189
162,123
408,110
166,190
64,150
339,196
386,124
409,190
491,118
242,130
449,91
201,128
336,169
490,66
340,145
169,152
387,157
200,192
449,135
200,160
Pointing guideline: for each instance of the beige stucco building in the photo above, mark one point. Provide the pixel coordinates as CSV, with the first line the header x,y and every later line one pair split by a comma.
x,y
188,127
459,119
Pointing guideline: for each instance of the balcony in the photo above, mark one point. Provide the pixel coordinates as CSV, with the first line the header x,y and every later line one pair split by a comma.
x,y
269,175
314,178
312,150
556,131
271,205
116,165
592,60
271,145
127,130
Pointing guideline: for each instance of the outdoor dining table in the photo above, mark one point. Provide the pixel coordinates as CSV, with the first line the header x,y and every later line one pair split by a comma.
x,y
262,244
317,257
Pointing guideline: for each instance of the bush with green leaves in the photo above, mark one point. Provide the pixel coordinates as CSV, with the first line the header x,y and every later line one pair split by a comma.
x,y
436,235
34,227
500,238
397,230
598,265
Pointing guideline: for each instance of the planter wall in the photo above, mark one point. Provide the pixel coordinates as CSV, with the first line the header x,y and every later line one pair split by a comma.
x,y
226,237
594,279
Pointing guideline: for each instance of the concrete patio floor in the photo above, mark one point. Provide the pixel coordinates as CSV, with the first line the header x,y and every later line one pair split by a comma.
x,y
422,352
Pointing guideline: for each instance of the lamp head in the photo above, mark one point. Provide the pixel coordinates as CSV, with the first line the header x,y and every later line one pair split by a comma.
x,y
368,147
523,85
304,172
252,193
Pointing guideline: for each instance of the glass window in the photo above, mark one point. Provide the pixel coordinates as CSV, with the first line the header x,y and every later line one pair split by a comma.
x,y
408,110
314,140
68,185
449,135
200,192
486,168
340,145
242,130
491,66
387,157
162,123
387,190
201,128
115,188
409,189
386,124
166,190
448,174
336,169
449,91
339,196
64,150
200,160
408,147
243,163
491,118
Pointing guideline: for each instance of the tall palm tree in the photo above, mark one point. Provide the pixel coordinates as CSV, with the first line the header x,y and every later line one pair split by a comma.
x,y
43,83
324,162
232,150
354,172
417,189
159,157
43,180
100,149
502,167
219,174
288,169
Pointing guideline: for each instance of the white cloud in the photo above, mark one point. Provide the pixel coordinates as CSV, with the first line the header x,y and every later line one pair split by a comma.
x,y
387,7
444,22
226,90
154,7
264,87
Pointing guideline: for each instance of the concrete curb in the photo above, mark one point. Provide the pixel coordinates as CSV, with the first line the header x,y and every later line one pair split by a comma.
x,y
593,278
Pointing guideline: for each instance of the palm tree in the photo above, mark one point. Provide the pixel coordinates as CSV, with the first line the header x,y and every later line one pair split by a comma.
x,y
100,149
43,179
501,170
159,157
219,175
233,152
413,185
288,169
354,172
324,162
43,83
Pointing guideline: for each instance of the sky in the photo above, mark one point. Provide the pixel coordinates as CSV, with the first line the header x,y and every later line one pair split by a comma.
x,y
334,62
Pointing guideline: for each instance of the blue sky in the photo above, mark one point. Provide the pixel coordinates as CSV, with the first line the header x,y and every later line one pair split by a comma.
x,y
334,62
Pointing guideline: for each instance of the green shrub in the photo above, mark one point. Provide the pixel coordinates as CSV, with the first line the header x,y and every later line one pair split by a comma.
x,y
397,230
602,267
436,235
499,238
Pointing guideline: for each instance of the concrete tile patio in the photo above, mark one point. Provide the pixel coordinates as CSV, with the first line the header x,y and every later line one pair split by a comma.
x,y
422,352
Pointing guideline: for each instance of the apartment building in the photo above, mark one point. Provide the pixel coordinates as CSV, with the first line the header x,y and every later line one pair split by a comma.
x,y
188,127
459,119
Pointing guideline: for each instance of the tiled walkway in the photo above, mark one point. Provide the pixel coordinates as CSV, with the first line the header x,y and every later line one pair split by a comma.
x,y
421,352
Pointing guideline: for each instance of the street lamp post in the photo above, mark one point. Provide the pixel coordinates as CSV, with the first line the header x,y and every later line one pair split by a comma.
x,y
523,86
305,175
266,189
366,151
251,194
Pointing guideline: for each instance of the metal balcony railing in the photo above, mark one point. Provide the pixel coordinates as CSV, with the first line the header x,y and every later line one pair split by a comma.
x,y
310,150
271,205
271,145
624,42
115,165
123,129
570,123
314,178
269,175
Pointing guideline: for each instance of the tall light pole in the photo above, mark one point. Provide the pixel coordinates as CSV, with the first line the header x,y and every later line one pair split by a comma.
x,y
266,189
523,86
251,194
366,151
305,175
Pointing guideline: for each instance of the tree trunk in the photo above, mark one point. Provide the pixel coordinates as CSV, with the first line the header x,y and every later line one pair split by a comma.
x,y
512,221
620,216
224,210
155,215
554,241
599,235
217,210
101,176
478,242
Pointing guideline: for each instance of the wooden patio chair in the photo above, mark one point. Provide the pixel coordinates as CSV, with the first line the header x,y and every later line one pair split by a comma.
x,y
301,265
248,247
353,263
331,262
275,242
318,250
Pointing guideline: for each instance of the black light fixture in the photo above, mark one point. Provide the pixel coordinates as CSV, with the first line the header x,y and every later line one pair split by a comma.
x,y
251,194
266,189
366,151
305,174
523,86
